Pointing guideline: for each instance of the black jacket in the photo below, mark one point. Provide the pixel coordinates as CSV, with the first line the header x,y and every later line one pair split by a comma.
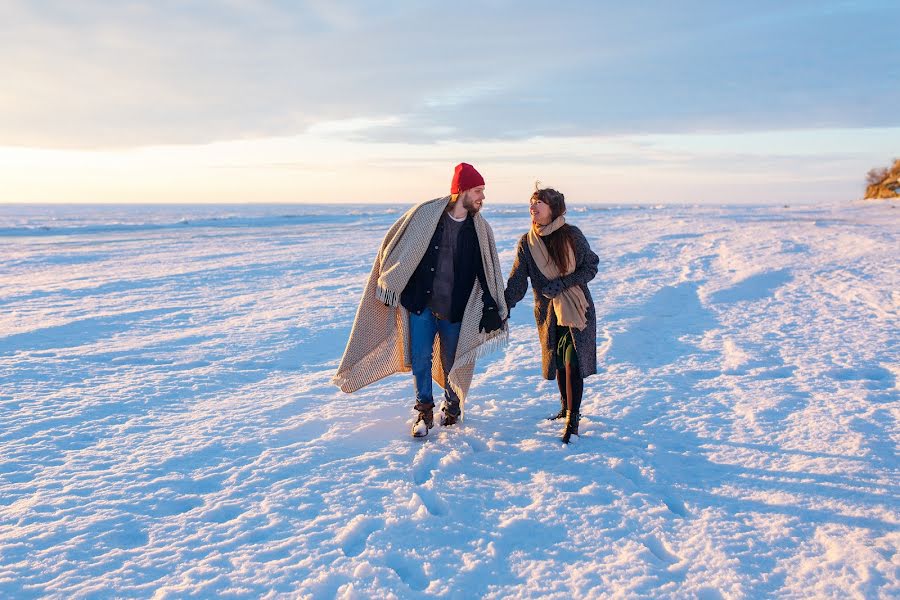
x,y
466,268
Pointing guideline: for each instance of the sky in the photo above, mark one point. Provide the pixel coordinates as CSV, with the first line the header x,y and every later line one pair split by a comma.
x,y
327,101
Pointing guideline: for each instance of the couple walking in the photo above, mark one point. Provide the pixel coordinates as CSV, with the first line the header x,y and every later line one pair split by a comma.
x,y
436,301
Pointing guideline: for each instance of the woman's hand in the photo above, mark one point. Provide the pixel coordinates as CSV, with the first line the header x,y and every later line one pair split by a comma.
x,y
553,289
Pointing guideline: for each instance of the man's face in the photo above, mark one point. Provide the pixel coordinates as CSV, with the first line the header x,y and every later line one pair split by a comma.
x,y
472,199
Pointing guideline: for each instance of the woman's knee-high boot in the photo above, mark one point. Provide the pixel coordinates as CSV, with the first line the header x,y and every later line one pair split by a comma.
x,y
561,381
574,391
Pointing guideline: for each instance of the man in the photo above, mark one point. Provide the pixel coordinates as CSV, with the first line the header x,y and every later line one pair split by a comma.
x,y
437,274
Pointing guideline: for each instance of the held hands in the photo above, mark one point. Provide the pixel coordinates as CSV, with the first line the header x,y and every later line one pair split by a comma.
x,y
553,289
490,319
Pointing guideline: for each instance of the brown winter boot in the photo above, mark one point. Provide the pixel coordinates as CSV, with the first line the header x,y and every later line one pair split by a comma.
x,y
450,413
425,421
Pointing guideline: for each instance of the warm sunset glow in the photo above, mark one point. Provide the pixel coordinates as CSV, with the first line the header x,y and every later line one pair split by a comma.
x,y
321,167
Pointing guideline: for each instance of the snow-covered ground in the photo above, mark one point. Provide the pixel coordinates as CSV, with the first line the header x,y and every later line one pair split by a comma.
x,y
168,427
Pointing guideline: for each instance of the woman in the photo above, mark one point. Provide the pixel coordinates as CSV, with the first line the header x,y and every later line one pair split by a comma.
x,y
560,263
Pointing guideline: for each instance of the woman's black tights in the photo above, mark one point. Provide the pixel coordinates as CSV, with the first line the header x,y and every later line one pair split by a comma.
x,y
571,387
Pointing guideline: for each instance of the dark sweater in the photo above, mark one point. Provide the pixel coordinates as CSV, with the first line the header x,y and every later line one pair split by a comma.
x,y
441,301
467,266
524,268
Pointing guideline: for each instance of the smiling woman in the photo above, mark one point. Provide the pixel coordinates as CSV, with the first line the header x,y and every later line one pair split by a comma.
x,y
558,261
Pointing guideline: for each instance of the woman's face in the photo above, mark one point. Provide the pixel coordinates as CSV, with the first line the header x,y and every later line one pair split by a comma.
x,y
540,212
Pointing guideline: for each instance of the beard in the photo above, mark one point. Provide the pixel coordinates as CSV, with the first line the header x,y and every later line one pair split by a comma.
x,y
470,205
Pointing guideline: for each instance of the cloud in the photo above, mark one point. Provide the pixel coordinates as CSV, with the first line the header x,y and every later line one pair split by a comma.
x,y
96,74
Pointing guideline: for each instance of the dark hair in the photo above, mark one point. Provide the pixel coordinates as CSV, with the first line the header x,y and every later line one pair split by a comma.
x,y
560,240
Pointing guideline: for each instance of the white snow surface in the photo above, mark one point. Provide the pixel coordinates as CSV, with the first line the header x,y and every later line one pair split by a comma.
x,y
168,428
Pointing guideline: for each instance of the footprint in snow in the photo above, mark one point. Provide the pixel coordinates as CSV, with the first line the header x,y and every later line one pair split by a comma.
x,y
353,537
224,513
409,571
675,505
424,465
435,505
658,548
476,444
630,472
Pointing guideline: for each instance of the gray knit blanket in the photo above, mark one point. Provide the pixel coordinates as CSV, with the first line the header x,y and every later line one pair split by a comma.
x,y
379,340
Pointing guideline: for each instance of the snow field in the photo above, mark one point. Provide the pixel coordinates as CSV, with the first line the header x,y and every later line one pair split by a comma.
x,y
168,428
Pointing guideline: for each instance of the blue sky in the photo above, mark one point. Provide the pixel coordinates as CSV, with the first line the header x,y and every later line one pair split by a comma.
x,y
347,101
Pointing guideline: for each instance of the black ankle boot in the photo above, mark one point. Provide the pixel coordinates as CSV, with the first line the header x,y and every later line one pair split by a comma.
x,y
560,415
571,426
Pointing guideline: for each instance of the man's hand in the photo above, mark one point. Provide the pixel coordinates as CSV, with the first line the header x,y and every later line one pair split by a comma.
x,y
553,289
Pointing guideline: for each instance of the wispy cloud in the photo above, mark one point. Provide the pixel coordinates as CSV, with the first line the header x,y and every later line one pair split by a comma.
x,y
98,74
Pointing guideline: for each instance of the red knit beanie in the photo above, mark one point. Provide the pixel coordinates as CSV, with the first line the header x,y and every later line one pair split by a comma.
x,y
465,177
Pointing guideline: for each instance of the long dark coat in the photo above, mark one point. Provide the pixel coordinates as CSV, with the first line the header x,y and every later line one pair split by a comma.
x,y
524,268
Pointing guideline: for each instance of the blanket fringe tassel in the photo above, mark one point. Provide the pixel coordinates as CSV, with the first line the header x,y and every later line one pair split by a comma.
x,y
495,343
389,297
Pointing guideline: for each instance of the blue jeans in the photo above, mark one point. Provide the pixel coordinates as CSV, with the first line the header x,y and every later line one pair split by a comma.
x,y
422,329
